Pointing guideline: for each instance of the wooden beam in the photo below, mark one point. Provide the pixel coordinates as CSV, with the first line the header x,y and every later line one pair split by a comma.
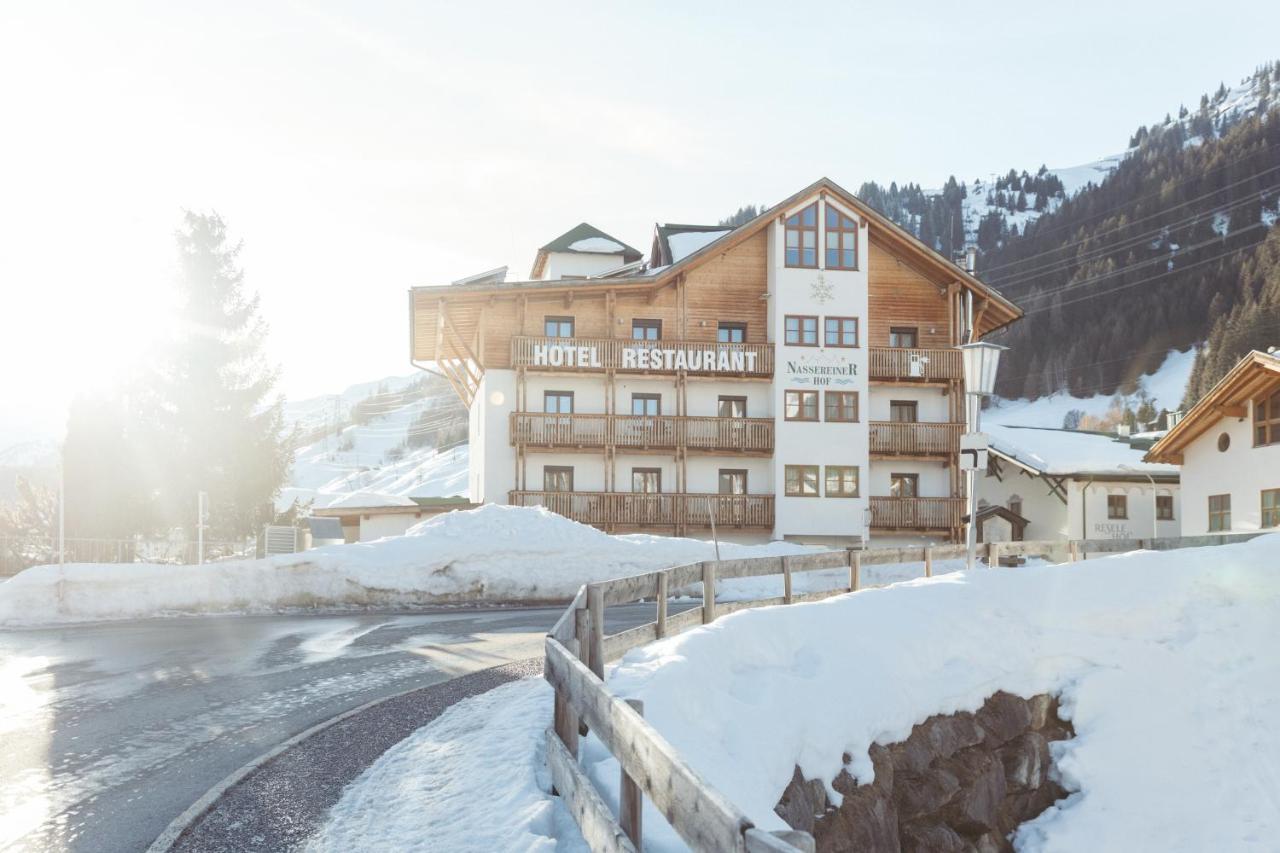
x,y
1233,411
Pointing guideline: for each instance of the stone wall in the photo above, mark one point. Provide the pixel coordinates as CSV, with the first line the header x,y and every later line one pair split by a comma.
x,y
961,782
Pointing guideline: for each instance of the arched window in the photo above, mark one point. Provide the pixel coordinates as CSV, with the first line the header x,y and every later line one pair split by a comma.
x,y
842,240
802,238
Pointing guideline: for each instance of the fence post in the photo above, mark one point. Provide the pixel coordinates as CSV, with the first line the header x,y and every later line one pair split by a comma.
x,y
630,797
787,596
993,556
595,604
708,592
661,621
928,561
855,569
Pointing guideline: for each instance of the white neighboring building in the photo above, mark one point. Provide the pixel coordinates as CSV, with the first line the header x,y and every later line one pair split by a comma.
x,y
366,516
1074,485
1229,448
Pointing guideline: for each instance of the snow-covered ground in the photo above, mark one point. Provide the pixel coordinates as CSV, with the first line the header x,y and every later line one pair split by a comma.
x,y
490,554
1166,385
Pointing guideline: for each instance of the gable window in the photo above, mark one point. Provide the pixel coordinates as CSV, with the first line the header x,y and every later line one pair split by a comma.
x,y
904,411
1271,507
800,405
801,331
646,480
842,406
1164,507
557,402
733,481
802,481
842,481
557,327
904,337
1266,420
731,333
646,404
646,330
731,407
1117,506
557,478
802,238
842,331
1219,512
842,241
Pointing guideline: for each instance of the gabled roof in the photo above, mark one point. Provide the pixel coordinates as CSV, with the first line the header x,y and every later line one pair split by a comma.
x,y
663,254
1256,375
584,238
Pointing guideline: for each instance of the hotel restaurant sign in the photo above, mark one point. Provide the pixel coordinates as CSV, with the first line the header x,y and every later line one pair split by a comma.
x,y
627,356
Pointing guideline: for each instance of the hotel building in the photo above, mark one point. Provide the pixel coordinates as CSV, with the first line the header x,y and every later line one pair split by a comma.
x,y
792,378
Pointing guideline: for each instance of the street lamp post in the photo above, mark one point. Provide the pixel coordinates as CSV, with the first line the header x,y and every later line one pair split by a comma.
x,y
981,360
1155,513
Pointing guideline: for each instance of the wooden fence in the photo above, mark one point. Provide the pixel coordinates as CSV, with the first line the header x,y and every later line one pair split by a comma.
x,y
577,649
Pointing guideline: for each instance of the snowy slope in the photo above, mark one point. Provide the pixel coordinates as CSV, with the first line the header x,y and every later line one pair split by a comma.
x,y
1164,662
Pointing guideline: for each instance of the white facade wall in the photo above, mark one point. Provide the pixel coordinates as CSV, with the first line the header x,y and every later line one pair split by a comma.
x,y
1047,514
378,525
492,471
1242,471
932,404
561,264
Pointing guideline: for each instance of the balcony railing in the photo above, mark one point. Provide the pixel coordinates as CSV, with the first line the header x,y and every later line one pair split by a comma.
x,y
642,432
892,438
921,365
916,513
630,509
596,355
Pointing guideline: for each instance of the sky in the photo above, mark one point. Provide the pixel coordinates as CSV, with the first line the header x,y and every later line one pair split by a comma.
x,y
360,149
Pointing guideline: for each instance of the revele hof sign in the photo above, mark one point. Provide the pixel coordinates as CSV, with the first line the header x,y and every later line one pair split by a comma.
x,y
695,359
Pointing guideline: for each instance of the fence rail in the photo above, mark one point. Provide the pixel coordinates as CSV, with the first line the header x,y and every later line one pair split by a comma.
x,y
577,649
642,432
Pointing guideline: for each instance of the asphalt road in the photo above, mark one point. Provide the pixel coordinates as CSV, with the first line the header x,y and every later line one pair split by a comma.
x,y
109,731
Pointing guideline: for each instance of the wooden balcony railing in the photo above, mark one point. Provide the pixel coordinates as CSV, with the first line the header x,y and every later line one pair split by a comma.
x,y
642,432
923,365
596,355
892,438
916,513
644,510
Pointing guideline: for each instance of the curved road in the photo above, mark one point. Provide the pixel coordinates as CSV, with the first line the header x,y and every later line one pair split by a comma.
x,y
109,731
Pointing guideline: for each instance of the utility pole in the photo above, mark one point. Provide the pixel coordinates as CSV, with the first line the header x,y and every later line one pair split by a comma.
x,y
62,511
202,514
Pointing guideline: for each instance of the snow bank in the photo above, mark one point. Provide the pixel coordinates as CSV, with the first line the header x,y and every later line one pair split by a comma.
x,y
1166,662
492,554
470,780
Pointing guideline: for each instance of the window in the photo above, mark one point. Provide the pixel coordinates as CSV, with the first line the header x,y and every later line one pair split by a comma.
x,y
1015,504
731,333
842,331
904,485
557,402
903,337
1266,420
1224,442
646,330
557,478
733,481
842,481
842,406
731,407
558,327
801,331
1271,507
1219,512
1164,507
1117,506
903,411
802,238
802,481
646,404
800,405
842,241
646,480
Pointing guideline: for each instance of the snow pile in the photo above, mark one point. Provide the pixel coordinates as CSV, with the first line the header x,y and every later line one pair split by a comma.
x,y
1165,661
1058,451
473,779
490,554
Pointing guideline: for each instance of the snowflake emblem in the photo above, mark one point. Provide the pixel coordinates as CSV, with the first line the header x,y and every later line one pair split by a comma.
x,y
821,290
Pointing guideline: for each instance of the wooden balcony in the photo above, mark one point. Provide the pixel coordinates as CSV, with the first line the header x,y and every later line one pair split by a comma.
x,y
889,513
895,364
624,355
537,430
890,439
628,509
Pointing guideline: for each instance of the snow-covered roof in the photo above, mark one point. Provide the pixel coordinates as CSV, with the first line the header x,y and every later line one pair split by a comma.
x,y
369,500
691,241
584,238
1061,452
596,244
